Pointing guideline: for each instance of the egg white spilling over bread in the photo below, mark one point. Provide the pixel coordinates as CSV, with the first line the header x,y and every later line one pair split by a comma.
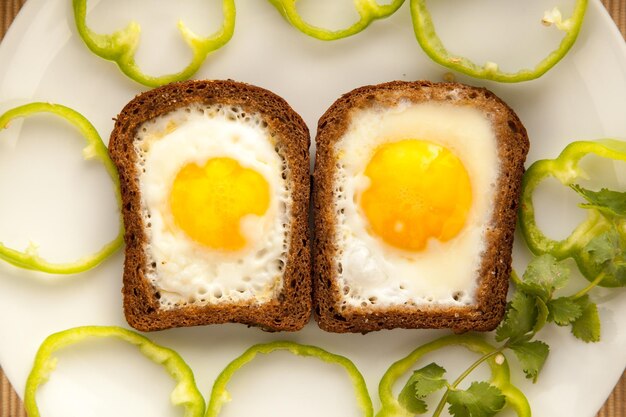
x,y
416,186
215,187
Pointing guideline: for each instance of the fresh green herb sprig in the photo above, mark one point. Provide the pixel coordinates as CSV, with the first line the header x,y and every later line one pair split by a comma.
x,y
598,244
604,255
481,398
534,304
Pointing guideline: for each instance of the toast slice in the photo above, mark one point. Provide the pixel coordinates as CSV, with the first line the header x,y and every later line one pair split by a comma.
x,y
215,189
377,263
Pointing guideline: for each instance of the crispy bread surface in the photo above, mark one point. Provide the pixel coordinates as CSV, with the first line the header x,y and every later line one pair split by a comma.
x,y
495,266
290,310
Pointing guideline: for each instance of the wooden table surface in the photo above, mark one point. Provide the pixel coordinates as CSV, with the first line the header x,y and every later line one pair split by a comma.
x,y
10,404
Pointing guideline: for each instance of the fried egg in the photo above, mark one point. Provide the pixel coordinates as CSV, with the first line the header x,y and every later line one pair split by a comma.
x,y
414,184
215,206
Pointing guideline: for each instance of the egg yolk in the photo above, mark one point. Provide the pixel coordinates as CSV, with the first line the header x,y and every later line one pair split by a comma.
x,y
418,190
209,202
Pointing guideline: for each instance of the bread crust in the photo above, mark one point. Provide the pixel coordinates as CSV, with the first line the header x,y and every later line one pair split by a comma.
x,y
291,309
495,266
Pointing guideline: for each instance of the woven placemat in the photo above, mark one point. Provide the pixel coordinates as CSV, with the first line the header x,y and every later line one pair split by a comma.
x,y
10,404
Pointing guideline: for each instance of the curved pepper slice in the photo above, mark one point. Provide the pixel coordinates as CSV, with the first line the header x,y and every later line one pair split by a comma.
x,y
434,48
500,375
220,395
121,45
566,170
95,149
185,393
368,11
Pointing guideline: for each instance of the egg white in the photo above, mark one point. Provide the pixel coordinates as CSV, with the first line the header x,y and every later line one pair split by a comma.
x,y
373,273
182,270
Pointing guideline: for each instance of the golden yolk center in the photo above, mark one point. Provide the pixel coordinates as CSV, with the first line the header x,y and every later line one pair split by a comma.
x,y
418,190
209,202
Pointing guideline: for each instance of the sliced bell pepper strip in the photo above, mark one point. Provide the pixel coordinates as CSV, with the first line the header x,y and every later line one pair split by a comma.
x,y
220,395
369,10
120,46
434,48
95,149
185,393
500,375
565,168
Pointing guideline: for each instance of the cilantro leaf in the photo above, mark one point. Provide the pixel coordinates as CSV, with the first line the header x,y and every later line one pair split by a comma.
x,y
605,247
458,410
410,402
543,276
423,382
564,311
532,356
428,379
587,326
607,252
521,316
611,203
480,400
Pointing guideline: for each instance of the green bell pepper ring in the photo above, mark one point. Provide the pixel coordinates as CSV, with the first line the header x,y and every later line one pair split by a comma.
x,y
95,149
500,375
185,393
565,168
434,48
368,11
220,395
120,46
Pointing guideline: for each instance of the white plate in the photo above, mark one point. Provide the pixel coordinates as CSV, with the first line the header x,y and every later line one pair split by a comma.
x,y
50,195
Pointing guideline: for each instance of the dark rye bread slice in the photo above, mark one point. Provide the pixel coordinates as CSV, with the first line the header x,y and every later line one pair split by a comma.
x,y
290,309
495,267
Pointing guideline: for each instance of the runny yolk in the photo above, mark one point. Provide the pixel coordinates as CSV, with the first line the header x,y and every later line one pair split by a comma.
x,y
209,202
418,190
